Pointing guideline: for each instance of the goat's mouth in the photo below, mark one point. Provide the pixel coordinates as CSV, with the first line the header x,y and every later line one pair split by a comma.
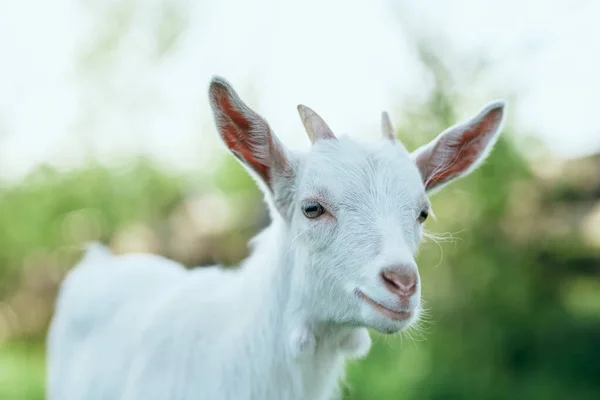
x,y
392,314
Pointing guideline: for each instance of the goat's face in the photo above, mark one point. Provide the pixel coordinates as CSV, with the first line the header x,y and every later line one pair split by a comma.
x,y
354,210
356,218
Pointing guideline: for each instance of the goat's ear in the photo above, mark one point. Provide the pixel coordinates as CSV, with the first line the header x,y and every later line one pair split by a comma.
x,y
460,149
246,134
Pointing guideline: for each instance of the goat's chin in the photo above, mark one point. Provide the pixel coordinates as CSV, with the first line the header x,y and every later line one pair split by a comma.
x,y
389,326
386,320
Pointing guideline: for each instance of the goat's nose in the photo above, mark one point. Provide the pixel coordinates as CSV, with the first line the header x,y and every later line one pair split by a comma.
x,y
403,284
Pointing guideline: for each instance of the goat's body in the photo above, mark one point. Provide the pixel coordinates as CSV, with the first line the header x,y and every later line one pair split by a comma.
x,y
140,327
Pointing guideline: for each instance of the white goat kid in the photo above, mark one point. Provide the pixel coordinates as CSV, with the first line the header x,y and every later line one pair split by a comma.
x,y
337,259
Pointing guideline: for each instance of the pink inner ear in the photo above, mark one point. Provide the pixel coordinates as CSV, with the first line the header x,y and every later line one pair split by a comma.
x,y
464,149
236,130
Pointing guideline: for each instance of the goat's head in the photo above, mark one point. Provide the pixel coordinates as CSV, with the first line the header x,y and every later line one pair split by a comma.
x,y
355,210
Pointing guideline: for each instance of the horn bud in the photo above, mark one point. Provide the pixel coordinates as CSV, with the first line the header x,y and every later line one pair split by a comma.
x,y
315,126
386,127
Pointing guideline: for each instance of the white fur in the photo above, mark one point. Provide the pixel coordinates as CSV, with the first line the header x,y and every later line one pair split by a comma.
x,y
139,327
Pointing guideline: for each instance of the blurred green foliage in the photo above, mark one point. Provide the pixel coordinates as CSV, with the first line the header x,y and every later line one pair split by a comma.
x,y
52,210
22,371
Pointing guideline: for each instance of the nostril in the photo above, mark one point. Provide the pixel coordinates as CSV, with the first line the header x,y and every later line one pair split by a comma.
x,y
401,284
389,280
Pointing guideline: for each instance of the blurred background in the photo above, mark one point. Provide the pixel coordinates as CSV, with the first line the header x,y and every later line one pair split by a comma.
x,y
106,134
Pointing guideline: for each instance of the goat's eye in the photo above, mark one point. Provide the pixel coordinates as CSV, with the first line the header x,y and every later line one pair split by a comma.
x,y
423,215
312,209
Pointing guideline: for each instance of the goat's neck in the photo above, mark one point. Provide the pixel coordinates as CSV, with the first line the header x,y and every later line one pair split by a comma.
x,y
276,277
302,354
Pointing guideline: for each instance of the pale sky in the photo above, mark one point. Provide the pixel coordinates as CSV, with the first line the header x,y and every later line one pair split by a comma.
x,y
348,60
